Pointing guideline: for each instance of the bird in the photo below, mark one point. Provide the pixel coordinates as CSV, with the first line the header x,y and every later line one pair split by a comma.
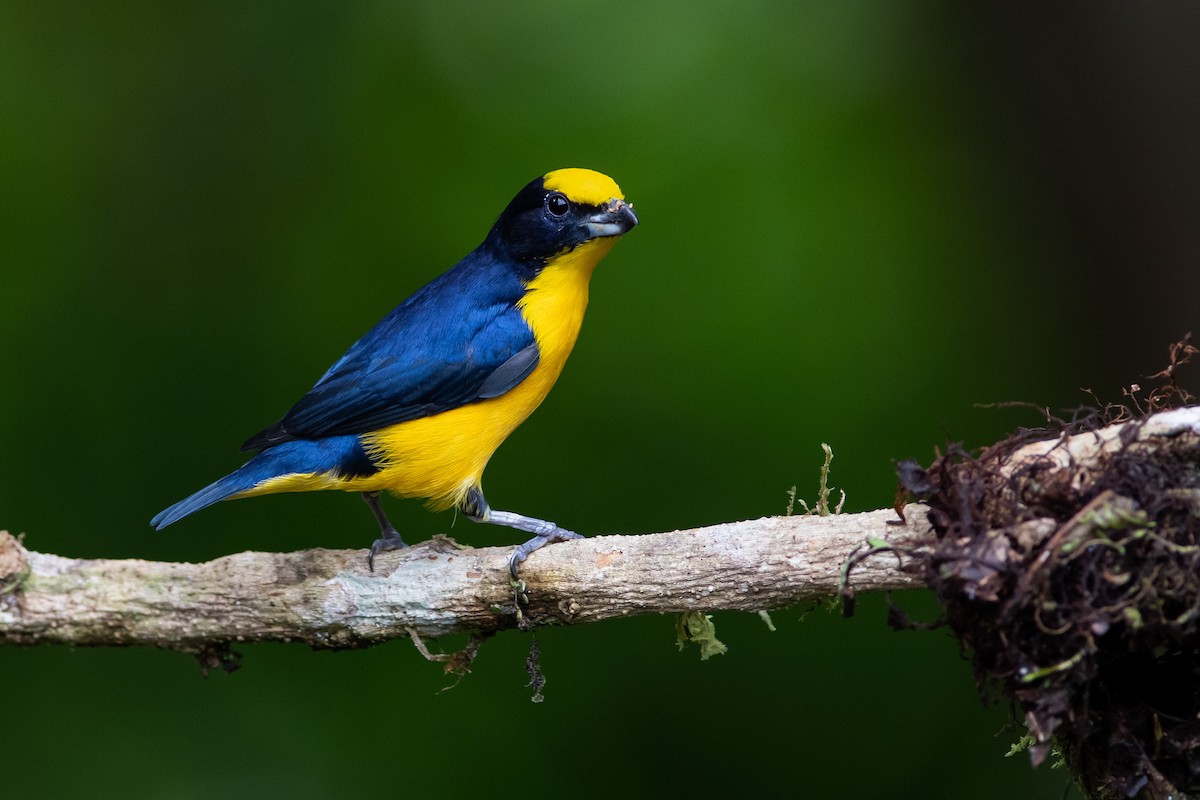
x,y
418,405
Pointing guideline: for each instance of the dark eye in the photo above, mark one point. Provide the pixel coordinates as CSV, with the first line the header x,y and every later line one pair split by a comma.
x,y
558,204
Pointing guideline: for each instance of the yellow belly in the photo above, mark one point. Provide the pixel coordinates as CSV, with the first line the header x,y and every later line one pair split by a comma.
x,y
443,456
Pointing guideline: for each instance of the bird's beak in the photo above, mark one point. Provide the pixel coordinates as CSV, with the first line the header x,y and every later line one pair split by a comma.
x,y
616,218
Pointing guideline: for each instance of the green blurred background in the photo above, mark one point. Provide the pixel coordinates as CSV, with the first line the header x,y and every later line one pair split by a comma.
x,y
858,221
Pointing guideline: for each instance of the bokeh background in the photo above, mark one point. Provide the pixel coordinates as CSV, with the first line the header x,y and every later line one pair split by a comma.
x,y
859,220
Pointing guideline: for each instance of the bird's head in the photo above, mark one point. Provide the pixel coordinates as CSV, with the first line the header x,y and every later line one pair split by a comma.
x,y
560,211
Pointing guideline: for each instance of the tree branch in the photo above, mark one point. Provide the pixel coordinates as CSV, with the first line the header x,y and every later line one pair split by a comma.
x,y
327,598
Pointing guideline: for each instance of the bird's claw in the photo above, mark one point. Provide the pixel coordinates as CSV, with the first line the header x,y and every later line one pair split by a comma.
x,y
523,551
385,543
519,554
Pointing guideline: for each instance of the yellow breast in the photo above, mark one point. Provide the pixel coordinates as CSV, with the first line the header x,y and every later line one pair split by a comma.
x,y
443,456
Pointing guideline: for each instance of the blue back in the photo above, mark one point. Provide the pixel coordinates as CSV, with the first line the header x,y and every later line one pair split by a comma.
x,y
432,353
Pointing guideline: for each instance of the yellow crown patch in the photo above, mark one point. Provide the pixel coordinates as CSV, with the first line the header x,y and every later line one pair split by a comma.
x,y
583,186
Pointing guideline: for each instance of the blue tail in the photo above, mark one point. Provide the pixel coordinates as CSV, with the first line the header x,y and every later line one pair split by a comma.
x,y
339,454
247,477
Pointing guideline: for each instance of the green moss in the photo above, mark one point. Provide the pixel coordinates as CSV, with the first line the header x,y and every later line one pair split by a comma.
x,y
698,628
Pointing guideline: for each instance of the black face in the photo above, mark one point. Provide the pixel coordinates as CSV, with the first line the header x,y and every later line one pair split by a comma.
x,y
539,223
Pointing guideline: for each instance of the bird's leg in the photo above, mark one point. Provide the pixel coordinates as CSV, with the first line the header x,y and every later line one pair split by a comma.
x,y
476,508
389,537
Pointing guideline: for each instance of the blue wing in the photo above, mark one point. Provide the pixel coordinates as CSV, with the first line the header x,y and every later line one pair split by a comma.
x,y
459,339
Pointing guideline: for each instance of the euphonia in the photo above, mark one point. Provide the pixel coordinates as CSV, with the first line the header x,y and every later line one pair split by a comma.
x,y
417,406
